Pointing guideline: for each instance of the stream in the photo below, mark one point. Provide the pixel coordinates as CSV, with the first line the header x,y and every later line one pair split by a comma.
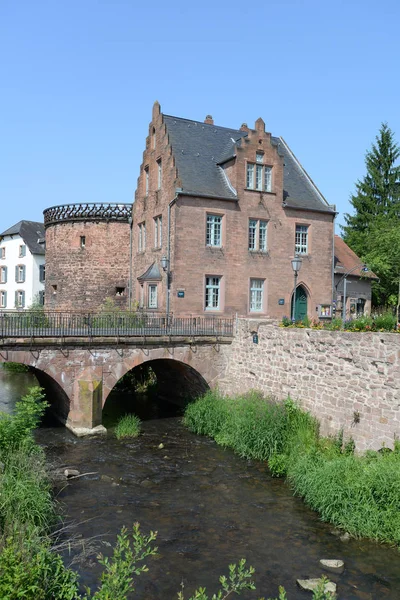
x,y
210,509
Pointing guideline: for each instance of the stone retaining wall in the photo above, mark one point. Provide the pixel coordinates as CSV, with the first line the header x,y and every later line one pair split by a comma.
x,y
346,379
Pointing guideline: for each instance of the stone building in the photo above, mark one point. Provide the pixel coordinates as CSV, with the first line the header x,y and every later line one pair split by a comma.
x,y
218,215
88,249
359,280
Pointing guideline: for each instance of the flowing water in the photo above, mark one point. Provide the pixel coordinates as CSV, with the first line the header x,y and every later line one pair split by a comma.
x,y
210,508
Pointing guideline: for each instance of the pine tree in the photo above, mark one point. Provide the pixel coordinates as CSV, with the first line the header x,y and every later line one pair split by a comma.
x,y
377,196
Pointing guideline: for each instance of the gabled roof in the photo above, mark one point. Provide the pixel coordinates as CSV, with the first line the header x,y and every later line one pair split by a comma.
x,y
30,232
151,274
201,148
346,260
198,148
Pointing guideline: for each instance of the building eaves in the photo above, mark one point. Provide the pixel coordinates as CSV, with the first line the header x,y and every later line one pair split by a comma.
x,y
30,232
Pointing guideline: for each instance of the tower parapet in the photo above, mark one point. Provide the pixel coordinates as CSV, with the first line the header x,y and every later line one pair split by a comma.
x,y
88,249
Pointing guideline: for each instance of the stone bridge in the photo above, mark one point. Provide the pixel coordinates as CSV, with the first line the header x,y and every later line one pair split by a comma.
x,y
79,357
79,374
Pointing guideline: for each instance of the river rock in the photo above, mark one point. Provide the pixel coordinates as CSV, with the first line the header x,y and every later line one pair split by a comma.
x,y
309,585
345,537
160,446
71,473
332,565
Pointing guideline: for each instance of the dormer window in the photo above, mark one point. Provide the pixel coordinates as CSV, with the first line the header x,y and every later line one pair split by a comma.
x,y
259,176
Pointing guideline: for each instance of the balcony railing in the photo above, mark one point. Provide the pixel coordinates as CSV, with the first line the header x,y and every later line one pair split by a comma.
x,y
88,325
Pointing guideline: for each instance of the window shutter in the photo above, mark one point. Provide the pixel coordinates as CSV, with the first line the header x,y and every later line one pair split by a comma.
x,y
23,273
23,300
16,274
5,299
16,299
5,276
24,250
42,273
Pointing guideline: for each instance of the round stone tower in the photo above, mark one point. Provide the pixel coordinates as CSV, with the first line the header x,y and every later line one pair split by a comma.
x,y
88,250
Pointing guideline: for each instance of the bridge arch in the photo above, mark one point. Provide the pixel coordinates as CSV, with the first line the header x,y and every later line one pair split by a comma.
x,y
81,376
51,382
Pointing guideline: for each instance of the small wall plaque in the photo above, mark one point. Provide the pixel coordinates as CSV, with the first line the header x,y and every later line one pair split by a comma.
x,y
255,338
181,294
281,301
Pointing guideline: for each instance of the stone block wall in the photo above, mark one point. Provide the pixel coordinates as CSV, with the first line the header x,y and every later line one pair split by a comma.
x,y
347,380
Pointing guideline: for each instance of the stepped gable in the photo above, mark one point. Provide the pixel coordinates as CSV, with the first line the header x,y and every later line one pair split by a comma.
x,y
201,148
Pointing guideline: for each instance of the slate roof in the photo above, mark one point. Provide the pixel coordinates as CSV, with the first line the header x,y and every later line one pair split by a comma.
x,y
200,148
346,259
30,232
151,274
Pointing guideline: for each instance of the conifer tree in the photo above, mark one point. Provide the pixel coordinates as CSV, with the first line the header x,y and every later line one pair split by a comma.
x,y
377,197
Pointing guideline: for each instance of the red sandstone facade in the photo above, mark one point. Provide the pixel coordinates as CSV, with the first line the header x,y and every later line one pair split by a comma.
x,y
87,257
224,265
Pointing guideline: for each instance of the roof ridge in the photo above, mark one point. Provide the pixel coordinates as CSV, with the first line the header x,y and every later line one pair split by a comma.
x,y
206,124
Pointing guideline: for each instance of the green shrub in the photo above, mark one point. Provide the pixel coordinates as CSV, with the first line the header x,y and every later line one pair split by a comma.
x,y
17,429
15,367
30,570
128,426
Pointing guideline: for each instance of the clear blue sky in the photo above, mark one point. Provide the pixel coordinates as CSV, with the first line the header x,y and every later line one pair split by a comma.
x,y
78,79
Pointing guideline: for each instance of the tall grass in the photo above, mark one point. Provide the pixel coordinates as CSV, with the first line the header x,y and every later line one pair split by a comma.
x,y
128,426
358,493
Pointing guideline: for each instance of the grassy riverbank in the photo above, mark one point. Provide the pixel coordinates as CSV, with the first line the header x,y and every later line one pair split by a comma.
x,y
360,494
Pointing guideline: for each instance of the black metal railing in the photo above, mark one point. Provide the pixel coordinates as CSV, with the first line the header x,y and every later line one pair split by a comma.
x,y
88,211
59,324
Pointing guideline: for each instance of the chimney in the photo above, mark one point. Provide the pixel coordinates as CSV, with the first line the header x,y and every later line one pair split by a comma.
x,y
209,120
244,127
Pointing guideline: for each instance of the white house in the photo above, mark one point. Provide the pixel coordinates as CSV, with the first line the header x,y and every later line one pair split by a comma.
x,y
22,265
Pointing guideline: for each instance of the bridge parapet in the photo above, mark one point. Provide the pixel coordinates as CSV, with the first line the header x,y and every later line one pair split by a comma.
x,y
53,324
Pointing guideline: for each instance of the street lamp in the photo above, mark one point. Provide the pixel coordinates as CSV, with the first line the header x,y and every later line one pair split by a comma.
x,y
296,266
165,267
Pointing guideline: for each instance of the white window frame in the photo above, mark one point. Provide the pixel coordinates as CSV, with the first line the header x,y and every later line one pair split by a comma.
x,y
214,230
3,274
3,299
142,236
256,303
152,296
213,292
258,176
2,252
157,231
301,239
20,273
22,251
19,299
159,174
258,235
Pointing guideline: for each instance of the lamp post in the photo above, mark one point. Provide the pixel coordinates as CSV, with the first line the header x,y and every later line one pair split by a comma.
x,y
165,268
296,266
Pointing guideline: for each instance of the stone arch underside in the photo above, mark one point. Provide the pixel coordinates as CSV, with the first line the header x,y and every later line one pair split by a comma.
x,y
182,373
56,395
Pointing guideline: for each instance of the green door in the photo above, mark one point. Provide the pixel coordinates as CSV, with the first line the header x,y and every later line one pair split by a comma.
x,y
300,307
